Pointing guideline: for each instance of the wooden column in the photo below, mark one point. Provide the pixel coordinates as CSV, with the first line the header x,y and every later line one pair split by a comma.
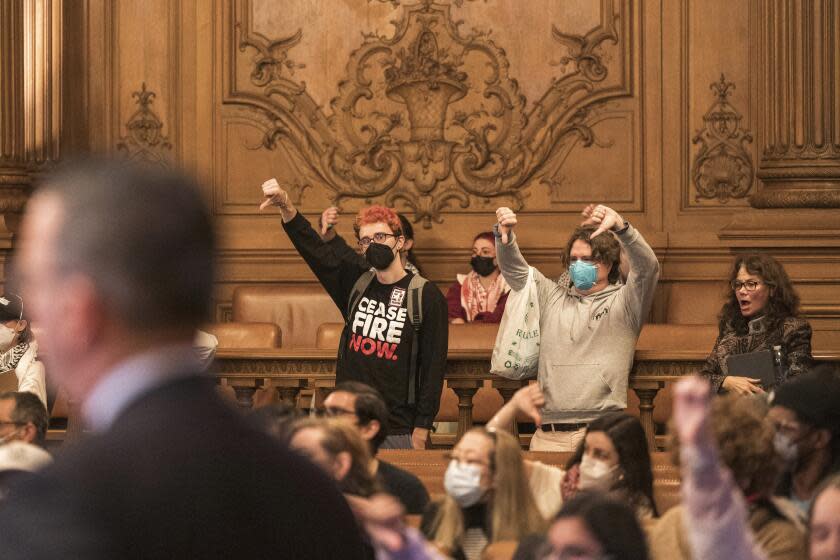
x,y
507,388
646,391
799,104
466,390
30,102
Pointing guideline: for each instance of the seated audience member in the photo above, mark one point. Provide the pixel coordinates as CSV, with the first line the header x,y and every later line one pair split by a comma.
x,y
726,511
480,295
487,497
277,419
326,227
806,414
613,457
338,449
761,313
590,525
19,457
589,329
18,352
363,406
824,524
22,418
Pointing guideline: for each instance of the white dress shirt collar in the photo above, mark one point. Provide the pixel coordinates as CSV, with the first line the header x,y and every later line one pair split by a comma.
x,y
134,377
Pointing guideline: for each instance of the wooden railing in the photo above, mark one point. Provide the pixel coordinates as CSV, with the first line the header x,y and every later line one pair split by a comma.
x,y
290,371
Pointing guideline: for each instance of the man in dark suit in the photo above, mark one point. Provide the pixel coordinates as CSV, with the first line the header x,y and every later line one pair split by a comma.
x,y
117,266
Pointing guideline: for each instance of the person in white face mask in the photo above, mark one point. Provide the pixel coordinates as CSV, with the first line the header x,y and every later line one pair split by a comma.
x,y
487,497
18,352
614,459
806,415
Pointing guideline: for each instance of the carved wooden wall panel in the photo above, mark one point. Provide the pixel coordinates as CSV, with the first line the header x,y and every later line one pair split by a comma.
x,y
539,103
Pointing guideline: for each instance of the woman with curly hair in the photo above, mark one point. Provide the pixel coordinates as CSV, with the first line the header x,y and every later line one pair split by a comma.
x,y
761,313
729,468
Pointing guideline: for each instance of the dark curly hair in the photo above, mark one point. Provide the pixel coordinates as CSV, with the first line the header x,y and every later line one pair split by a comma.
x,y
782,303
745,441
605,249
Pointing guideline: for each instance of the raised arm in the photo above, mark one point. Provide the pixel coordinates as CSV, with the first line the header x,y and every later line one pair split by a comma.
x,y
511,262
528,399
715,511
326,227
335,274
644,267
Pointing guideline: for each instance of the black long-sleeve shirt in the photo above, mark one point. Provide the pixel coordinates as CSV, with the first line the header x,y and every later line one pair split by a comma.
x,y
377,338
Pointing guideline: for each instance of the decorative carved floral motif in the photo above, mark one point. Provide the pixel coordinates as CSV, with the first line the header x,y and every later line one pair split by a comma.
x,y
723,168
427,116
145,140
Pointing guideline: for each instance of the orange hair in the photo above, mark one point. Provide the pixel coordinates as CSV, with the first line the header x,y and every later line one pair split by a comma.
x,y
376,215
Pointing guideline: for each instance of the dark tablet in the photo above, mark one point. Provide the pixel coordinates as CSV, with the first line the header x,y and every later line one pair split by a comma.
x,y
758,365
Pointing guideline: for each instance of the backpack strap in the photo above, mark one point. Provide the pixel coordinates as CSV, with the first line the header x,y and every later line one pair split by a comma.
x,y
357,291
415,315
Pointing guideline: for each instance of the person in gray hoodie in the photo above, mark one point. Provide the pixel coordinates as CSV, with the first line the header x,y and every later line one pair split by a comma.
x,y
589,326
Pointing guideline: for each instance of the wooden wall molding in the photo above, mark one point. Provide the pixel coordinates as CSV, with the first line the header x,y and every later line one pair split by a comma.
x,y
723,168
443,124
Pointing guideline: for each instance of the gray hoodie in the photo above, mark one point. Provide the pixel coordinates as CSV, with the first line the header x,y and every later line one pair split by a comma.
x,y
587,342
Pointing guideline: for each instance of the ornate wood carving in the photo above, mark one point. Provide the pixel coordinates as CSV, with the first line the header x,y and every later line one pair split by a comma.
x,y
799,83
723,168
429,115
145,140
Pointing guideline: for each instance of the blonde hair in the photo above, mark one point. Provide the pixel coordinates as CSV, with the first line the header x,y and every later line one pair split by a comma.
x,y
513,512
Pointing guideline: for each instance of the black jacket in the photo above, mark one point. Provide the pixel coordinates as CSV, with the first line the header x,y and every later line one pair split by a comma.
x,y
337,268
180,474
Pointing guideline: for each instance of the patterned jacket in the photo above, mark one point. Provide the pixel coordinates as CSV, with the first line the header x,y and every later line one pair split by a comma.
x,y
794,338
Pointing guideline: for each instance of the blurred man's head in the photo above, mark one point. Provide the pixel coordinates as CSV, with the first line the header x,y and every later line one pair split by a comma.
x,y
364,407
113,260
23,417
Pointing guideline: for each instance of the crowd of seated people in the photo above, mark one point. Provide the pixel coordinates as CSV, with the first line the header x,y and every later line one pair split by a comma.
x,y
166,457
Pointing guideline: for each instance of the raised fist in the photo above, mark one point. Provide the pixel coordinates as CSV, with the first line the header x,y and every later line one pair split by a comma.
x,y
507,220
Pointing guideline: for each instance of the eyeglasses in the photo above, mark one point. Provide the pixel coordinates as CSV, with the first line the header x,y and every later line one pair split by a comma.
x,y
333,411
378,237
749,285
10,423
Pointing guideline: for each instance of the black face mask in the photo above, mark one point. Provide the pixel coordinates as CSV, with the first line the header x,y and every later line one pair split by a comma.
x,y
379,256
483,266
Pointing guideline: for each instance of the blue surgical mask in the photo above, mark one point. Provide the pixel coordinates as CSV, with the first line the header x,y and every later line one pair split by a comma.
x,y
584,274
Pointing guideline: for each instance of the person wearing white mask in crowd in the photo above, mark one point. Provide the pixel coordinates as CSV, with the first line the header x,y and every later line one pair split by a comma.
x,y
18,351
613,458
487,497
806,415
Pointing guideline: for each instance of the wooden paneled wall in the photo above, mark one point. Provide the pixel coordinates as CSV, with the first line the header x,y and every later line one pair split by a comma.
x,y
448,110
